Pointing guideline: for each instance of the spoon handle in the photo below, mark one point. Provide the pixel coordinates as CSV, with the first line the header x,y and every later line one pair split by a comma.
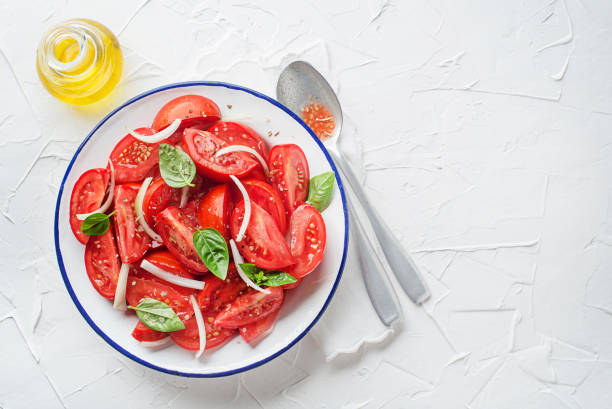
x,y
401,263
381,294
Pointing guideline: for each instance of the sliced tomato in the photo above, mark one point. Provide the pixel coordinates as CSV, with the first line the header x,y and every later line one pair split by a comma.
x,y
87,195
190,210
132,241
257,174
238,134
268,198
143,333
289,174
102,263
195,111
177,232
263,244
202,146
201,187
158,196
163,259
256,331
217,293
139,288
308,240
189,338
132,159
250,307
215,210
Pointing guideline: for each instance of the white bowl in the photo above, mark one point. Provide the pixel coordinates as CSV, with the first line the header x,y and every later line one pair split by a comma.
x,y
302,307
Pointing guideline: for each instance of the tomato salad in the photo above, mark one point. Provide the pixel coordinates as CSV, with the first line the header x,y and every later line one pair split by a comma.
x,y
199,227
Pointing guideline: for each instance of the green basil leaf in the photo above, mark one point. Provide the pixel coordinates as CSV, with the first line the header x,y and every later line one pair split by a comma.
x,y
96,224
212,249
175,166
278,278
158,316
320,190
270,278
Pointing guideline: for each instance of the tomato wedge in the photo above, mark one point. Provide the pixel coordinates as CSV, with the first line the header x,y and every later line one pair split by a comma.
x,y
87,196
157,197
165,260
256,331
234,133
132,159
308,240
268,198
189,338
217,293
195,111
143,333
250,307
139,288
201,146
177,232
132,241
190,210
102,263
292,285
289,174
263,244
215,210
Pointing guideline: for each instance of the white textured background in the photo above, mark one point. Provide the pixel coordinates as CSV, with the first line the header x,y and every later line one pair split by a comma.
x,y
483,129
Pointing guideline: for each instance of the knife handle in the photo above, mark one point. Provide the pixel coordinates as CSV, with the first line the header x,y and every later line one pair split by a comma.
x,y
382,295
401,263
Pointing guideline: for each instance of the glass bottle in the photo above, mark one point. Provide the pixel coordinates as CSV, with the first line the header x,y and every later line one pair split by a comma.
x,y
79,61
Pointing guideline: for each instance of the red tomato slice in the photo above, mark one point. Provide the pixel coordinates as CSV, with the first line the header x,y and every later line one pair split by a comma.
x,y
202,146
289,174
189,338
165,260
215,210
132,159
157,197
195,111
257,174
139,288
268,198
258,330
250,307
217,293
201,187
177,232
190,210
234,133
308,240
102,263
132,241
143,333
263,244
87,196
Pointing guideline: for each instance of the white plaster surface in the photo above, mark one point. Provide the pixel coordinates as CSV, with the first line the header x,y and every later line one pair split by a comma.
x,y
481,128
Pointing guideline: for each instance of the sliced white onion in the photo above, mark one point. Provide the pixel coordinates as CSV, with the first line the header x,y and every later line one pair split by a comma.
x,y
184,196
156,344
201,328
140,214
119,301
238,260
247,208
170,277
159,136
242,148
109,198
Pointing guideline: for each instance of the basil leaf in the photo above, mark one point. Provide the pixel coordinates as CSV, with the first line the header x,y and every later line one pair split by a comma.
x,y
212,249
320,190
158,315
175,166
270,279
96,224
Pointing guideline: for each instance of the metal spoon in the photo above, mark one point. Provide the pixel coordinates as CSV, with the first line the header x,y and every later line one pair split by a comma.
x,y
298,85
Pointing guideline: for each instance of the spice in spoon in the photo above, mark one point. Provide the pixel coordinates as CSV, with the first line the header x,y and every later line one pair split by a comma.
x,y
319,119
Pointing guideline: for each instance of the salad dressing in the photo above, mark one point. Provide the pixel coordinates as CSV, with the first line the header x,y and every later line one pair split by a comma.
x,y
79,61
